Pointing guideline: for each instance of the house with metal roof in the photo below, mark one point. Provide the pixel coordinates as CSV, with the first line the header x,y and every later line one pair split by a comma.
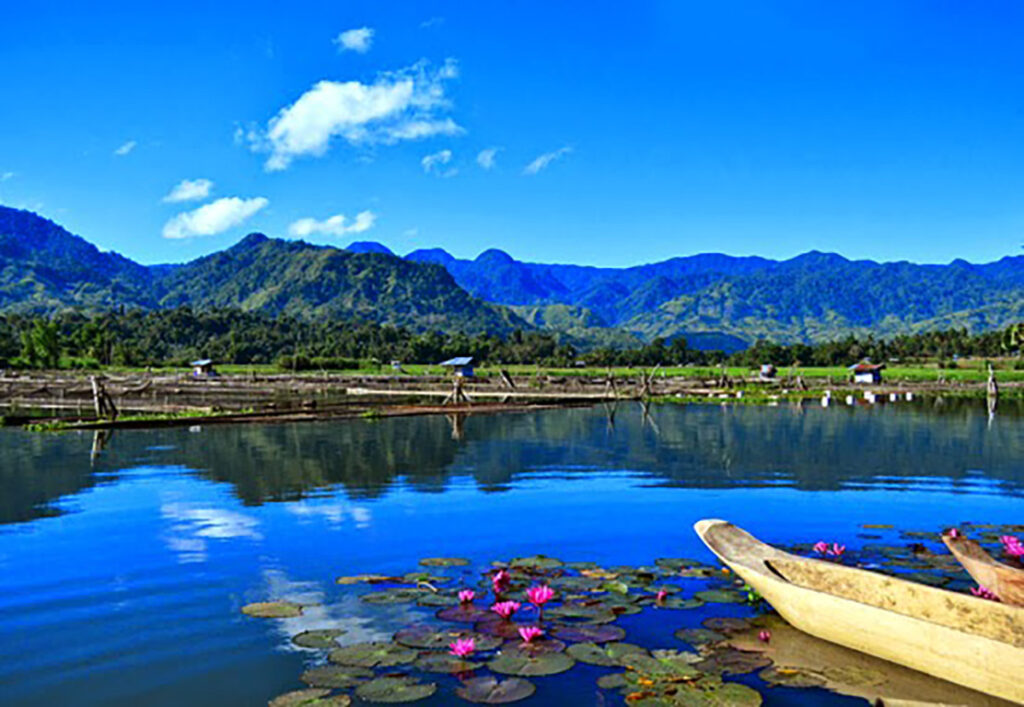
x,y
867,372
461,366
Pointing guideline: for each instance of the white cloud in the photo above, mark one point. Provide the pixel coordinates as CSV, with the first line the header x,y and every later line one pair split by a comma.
x,y
125,148
334,226
486,158
213,218
432,163
398,105
355,40
432,22
545,159
6,175
190,190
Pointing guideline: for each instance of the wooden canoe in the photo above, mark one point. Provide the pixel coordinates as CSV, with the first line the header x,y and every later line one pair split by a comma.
x,y
1004,581
956,637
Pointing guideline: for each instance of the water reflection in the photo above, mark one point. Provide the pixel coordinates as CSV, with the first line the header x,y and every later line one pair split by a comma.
x,y
808,447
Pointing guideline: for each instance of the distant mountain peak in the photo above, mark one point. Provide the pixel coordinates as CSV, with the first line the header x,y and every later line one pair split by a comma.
x,y
368,247
495,256
252,240
438,256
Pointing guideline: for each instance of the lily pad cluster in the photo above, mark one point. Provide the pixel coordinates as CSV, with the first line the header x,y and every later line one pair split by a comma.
x,y
581,624
578,619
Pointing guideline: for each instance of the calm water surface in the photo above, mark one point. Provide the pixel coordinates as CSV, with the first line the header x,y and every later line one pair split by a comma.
x,y
121,577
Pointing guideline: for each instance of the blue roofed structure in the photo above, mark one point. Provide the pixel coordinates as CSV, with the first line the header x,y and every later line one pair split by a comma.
x,y
460,365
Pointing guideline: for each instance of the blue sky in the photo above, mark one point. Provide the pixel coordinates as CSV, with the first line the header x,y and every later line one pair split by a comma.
x,y
876,129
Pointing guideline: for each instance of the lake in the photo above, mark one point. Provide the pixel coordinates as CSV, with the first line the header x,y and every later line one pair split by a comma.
x,y
122,574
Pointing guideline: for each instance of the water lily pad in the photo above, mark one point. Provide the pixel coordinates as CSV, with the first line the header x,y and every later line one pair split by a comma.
x,y
607,655
726,624
464,613
676,667
444,562
677,603
437,599
494,625
856,675
313,697
581,613
376,654
580,566
393,689
318,638
417,577
729,661
535,563
515,661
778,675
932,580
434,638
588,633
613,681
542,645
576,584
444,663
616,586
877,526
675,564
393,595
336,676
720,596
698,636
273,610
366,578
491,691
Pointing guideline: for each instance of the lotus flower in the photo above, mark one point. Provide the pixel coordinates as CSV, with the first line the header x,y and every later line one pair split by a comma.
x,y
660,596
953,533
462,647
984,593
1012,545
500,581
505,609
764,636
821,547
837,550
528,633
466,596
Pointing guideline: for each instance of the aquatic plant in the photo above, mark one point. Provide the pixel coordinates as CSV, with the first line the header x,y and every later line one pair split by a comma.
x,y
764,636
529,633
659,598
837,550
505,609
984,593
500,582
462,647
539,596
1012,545
821,547
466,596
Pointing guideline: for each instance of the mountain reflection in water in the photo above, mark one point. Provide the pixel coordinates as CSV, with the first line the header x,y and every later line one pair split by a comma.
x,y
694,446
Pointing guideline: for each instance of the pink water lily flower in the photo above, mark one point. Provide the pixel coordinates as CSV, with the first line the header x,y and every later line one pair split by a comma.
x,y
505,609
984,593
528,633
821,547
540,595
660,596
953,533
764,636
462,647
1012,545
837,550
500,581
466,596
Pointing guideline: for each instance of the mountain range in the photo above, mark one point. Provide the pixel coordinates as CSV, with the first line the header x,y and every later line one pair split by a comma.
x,y
715,300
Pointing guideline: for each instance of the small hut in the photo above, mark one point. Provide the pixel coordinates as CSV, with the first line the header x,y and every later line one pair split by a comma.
x,y
461,366
203,368
867,372
767,372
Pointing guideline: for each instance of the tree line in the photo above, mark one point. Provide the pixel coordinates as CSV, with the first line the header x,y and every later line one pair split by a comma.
x,y
177,336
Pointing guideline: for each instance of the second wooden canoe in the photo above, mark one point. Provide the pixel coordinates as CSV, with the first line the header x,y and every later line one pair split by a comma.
x,y
956,637
1004,581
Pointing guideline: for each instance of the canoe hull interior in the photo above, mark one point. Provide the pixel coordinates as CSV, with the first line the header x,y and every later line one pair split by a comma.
x,y
944,642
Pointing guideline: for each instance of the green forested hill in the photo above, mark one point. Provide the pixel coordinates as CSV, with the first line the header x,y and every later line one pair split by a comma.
x,y
43,268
